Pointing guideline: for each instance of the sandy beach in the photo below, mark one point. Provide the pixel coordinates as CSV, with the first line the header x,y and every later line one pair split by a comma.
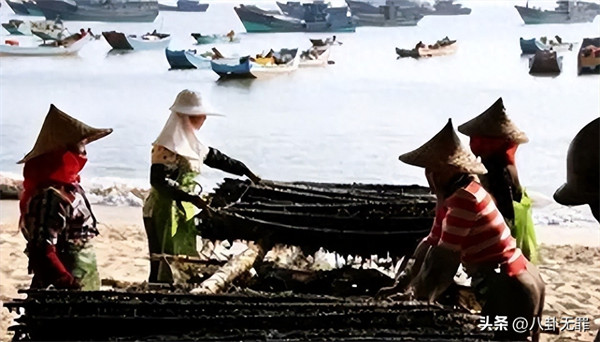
x,y
570,265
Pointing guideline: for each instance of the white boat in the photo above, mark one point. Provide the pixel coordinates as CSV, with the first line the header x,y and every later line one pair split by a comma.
x,y
199,61
67,48
260,70
321,60
149,42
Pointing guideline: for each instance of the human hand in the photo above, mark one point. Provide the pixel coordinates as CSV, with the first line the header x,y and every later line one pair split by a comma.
x,y
385,292
254,178
200,203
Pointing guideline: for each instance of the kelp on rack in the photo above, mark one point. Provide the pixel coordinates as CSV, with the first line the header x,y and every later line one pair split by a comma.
x,y
350,219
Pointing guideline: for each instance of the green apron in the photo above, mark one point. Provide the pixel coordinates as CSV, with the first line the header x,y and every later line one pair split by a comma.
x,y
174,228
523,230
80,259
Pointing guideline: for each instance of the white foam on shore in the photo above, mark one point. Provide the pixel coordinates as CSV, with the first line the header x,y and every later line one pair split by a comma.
x,y
113,191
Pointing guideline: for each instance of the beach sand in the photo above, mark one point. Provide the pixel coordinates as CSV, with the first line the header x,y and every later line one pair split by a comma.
x,y
570,265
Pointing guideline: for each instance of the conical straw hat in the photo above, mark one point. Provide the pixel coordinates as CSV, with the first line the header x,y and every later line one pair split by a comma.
x,y
60,131
442,150
494,123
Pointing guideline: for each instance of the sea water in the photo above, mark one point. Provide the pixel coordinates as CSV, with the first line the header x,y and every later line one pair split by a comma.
x,y
346,122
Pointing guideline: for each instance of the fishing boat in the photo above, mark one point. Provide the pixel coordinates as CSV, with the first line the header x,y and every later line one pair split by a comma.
x,y
588,58
106,11
388,15
566,12
275,63
298,10
148,41
531,46
545,62
257,20
448,7
442,47
315,57
184,6
67,46
187,59
215,38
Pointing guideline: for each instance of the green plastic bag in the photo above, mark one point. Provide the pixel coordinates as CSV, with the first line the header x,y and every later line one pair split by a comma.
x,y
523,229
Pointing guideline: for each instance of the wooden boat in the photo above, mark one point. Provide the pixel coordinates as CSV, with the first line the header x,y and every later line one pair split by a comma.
x,y
545,63
588,58
120,41
67,46
248,67
531,46
442,47
314,57
149,41
215,38
186,59
184,6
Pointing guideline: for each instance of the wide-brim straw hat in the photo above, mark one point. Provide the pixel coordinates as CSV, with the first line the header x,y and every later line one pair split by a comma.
x,y
189,102
442,151
59,131
494,123
583,168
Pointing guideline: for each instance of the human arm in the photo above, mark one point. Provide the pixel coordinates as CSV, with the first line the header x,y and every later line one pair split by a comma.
x,y
218,160
437,273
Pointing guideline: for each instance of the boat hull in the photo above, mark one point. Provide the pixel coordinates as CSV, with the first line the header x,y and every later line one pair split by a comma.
x,y
588,64
178,60
364,19
260,22
535,16
531,46
33,9
138,43
184,6
117,40
232,67
545,63
73,49
130,12
17,7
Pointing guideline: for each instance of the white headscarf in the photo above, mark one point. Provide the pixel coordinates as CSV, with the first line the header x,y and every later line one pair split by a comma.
x,y
178,136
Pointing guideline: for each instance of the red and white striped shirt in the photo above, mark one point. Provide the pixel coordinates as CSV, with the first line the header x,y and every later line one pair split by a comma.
x,y
470,222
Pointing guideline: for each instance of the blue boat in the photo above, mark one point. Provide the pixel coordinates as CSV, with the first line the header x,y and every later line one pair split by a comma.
x,y
531,46
232,67
316,19
393,13
18,7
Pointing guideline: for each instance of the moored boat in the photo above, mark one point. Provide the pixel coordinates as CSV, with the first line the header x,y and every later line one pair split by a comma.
x,y
545,62
442,47
531,46
108,11
390,14
588,58
257,20
566,12
315,57
274,63
215,38
120,41
184,6
32,8
67,46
